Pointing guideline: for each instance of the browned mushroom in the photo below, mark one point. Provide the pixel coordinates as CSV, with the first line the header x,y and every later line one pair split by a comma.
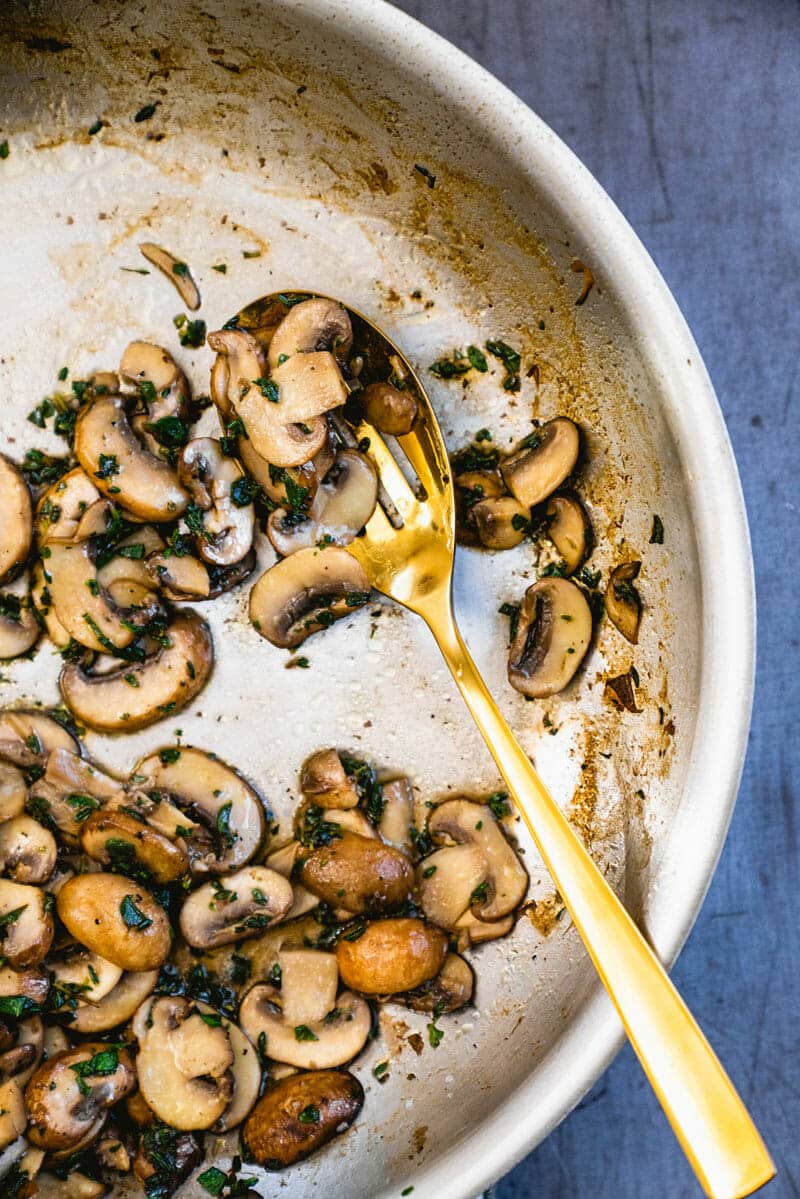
x,y
305,592
623,602
543,462
389,409
569,529
554,633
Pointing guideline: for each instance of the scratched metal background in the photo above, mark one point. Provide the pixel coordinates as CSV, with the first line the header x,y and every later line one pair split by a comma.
x,y
688,112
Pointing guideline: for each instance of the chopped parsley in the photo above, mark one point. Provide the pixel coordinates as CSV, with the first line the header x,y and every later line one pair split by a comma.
x,y
133,916
98,1066
191,333
268,389
512,611
498,802
435,1035
82,806
108,466
303,1033
145,113
657,535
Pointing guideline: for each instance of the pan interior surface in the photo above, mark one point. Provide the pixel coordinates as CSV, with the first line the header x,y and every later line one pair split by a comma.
x,y
344,149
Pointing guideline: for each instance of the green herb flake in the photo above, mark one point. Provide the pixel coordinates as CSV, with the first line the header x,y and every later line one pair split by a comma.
x,y
133,916
4,150
145,113
303,1033
169,756
221,267
11,917
435,1036
309,1115
427,175
82,806
108,466
212,1180
477,359
95,128
498,802
268,389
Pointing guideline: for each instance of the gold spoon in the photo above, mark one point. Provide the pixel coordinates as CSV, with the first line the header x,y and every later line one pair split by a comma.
x,y
413,564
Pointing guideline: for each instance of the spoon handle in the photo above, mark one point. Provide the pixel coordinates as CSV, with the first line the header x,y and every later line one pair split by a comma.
x,y
708,1117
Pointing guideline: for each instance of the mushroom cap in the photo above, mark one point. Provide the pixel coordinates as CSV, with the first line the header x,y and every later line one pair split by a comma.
x,y
323,780
276,1136
469,824
163,859
165,682
27,925
359,874
316,324
17,526
184,1063
389,409
235,906
217,795
148,485
392,955
27,850
501,522
305,592
20,1060
118,1005
68,1107
553,635
100,910
534,472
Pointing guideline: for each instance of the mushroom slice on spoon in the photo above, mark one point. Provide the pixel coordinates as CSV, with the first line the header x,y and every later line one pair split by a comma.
x,y
125,470
341,507
215,483
136,694
306,592
316,324
17,527
553,635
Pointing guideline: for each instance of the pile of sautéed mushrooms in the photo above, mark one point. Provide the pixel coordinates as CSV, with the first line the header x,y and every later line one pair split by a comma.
x,y
177,968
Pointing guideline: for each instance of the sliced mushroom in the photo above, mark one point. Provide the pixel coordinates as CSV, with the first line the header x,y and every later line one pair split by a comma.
x,y
450,990
184,1063
392,955
554,633
358,874
126,571
341,507
26,926
70,790
117,918
501,523
75,1186
397,816
306,592
569,529
239,364
161,386
448,878
470,931
220,800
19,628
164,860
533,472
173,269
279,1132
235,906
316,324
305,1023
282,484
27,850
483,484
13,791
389,409
110,453
180,577
17,527
165,1158
69,1096
29,987
60,509
324,781
117,1006
465,823
83,972
211,479
43,604
13,1116
137,694
623,602
22,1056
28,738
82,606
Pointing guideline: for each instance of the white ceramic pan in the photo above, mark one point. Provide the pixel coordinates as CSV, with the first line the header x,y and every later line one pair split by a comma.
x,y
291,130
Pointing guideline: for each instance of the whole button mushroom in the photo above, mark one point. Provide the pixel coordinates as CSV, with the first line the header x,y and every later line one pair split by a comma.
x,y
358,873
299,1114
117,918
305,1023
391,956
69,1095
